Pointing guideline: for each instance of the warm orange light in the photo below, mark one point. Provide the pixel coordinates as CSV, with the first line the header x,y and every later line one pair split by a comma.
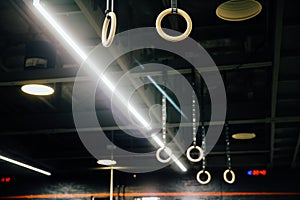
x,y
243,136
158,194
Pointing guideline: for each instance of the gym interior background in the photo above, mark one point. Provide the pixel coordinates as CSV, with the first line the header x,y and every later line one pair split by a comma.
x,y
258,59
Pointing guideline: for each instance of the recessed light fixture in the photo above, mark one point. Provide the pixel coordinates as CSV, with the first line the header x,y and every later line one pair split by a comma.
x,y
107,162
238,10
243,136
37,89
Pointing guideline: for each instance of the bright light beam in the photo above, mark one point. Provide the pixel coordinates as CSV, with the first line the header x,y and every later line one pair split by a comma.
x,y
166,95
83,56
157,140
25,165
178,163
75,47
162,91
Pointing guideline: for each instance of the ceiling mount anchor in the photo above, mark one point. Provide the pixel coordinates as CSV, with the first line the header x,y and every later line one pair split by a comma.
x,y
110,18
173,10
228,170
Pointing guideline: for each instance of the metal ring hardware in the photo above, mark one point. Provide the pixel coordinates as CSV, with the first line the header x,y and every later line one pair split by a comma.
x,y
188,154
232,176
173,38
207,174
168,151
110,18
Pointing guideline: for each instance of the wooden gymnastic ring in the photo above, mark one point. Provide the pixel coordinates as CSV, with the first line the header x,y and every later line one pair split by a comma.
x,y
109,18
188,154
173,38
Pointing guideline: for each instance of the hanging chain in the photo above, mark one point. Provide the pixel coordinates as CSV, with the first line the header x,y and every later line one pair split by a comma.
x,y
228,170
164,137
194,120
164,118
203,147
228,163
194,130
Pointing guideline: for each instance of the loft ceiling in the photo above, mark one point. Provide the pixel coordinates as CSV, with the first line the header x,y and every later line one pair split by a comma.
x,y
259,61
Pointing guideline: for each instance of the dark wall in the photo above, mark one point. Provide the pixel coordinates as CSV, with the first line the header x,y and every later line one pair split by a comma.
x,y
281,184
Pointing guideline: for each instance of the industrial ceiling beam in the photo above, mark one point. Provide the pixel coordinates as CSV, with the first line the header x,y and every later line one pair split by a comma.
x,y
65,75
294,161
94,17
212,153
222,31
24,13
39,30
45,101
171,125
276,64
39,76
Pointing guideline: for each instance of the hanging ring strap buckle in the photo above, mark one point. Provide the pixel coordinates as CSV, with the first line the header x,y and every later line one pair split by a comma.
x,y
188,154
205,181
226,178
174,6
110,18
167,150
173,10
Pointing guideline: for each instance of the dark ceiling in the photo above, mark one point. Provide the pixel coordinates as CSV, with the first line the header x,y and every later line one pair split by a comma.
x,y
259,60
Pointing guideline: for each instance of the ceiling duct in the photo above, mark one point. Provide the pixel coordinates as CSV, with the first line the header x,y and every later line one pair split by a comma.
x,y
238,10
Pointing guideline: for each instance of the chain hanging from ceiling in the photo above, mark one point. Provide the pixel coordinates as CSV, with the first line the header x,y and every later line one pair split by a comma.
x,y
228,159
204,163
164,134
194,131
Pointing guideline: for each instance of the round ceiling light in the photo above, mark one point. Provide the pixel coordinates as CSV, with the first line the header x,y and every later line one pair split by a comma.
x,y
37,89
238,10
243,136
107,162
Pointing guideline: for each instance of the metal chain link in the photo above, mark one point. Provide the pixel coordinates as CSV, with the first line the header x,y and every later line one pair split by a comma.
x,y
164,118
194,120
203,147
228,162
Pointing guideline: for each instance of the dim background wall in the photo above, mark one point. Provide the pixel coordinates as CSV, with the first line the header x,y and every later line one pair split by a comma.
x,y
276,184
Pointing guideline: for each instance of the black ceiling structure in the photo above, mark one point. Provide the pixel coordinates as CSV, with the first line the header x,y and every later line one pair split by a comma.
x,y
258,59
